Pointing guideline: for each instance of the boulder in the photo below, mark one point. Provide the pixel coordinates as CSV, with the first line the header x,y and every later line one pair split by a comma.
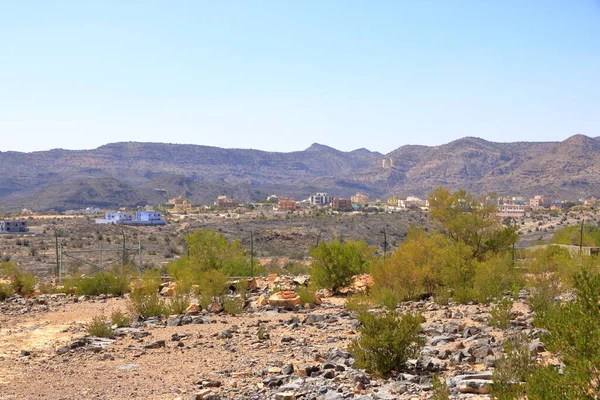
x,y
286,299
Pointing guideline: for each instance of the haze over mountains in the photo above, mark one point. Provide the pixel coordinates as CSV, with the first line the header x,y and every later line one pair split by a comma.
x,y
131,173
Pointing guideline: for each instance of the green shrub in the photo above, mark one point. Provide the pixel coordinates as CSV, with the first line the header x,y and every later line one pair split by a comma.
x,y
512,369
307,295
178,303
144,299
119,318
103,282
212,284
500,313
233,305
574,335
98,327
6,291
496,276
440,388
358,303
335,263
387,341
147,305
22,283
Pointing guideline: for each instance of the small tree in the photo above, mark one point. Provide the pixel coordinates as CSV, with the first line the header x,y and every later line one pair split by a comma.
x,y
335,263
387,341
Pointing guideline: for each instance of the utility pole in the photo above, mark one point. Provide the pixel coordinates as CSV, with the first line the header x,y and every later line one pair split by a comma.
x,y
385,243
57,257
252,253
581,238
124,253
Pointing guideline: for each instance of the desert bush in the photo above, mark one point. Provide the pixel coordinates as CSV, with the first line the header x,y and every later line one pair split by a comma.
x,y
296,268
307,295
22,282
119,318
512,369
574,334
440,389
104,282
178,303
496,276
212,284
335,263
233,305
358,303
387,341
98,327
500,313
6,291
144,298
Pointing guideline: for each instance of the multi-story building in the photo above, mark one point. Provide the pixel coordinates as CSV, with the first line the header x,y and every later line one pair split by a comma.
x,y
13,226
413,202
359,198
285,204
227,203
150,217
341,205
514,210
320,199
393,201
117,217
181,205
539,201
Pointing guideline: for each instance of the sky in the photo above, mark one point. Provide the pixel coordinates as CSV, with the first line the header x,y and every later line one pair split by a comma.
x,y
280,75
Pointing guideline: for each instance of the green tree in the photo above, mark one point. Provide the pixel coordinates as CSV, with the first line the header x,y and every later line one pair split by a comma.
x,y
209,249
335,263
471,221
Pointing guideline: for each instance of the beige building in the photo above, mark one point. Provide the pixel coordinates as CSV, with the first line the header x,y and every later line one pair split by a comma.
x,y
359,198
181,205
285,204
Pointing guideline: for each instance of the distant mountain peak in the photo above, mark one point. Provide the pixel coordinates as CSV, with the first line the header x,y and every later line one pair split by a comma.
x,y
320,147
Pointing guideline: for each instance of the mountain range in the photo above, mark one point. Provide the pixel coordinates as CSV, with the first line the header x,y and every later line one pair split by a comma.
x,y
132,173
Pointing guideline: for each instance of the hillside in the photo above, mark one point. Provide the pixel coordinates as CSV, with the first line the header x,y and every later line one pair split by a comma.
x,y
129,173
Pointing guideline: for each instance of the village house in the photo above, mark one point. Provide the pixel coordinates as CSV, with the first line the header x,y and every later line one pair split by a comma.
x,y
13,226
514,211
226,203
320,199
285,204
359,199
540,202
341,205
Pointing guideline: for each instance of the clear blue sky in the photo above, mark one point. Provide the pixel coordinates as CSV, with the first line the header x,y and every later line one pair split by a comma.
x,y
279,75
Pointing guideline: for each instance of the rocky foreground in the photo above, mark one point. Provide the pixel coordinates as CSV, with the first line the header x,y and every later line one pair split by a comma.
x,y
267,352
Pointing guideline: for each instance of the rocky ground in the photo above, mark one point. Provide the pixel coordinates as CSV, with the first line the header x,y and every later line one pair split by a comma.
x,y
267,352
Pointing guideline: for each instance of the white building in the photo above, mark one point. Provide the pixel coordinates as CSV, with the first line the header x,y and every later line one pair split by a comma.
x,y
127,218
117,217
320,199
151,217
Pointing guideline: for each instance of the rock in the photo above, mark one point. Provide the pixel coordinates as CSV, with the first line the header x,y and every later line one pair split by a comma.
x,y
285,396
168,289
155,345
215,307
477,386
536,346
261,300
205,394
193,308
286,299
173,321
287,369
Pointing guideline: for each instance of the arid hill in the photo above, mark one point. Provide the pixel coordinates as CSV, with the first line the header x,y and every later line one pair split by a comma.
x,y
129,173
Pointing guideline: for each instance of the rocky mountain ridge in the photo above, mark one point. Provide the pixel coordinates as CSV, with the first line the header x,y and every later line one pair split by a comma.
x,y
133,173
